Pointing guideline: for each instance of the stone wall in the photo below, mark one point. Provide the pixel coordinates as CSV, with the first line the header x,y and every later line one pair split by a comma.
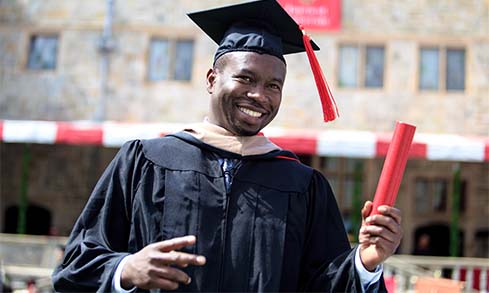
x,y
72,91
473,219
60,179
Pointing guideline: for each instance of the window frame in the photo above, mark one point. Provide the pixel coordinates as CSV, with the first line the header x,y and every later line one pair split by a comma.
x,y
340,176
172,51
361,74
28,44
431,208
442,67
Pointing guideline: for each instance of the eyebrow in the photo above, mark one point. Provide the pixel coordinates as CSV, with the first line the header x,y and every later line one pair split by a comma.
x,y
247,71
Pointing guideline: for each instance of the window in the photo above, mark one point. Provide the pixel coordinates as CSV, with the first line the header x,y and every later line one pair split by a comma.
x,y
361,66
170,59
482,243
439,194
429,69
345,178
374,67
43,52
455,79
442,68
349,66
432,195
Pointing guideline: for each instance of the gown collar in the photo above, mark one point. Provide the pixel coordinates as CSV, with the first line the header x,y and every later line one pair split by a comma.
x,y
221,138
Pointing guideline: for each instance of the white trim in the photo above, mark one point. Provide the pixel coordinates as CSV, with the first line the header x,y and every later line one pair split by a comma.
x,y
29,131
335,143
448,147
116,134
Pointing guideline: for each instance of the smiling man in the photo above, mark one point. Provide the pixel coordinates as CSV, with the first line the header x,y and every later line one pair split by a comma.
x,y
246,91
217,207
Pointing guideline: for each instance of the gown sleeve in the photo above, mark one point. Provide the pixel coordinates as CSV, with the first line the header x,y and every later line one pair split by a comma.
x,y
99,239
328,261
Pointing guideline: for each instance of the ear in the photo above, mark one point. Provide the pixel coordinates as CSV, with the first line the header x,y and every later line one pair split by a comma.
x,y
210,80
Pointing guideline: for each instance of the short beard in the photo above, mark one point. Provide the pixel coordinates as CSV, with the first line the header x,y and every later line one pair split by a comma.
x,y
247,133
239,131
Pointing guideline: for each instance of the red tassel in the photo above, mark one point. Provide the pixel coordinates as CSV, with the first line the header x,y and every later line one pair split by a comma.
x,y
330,110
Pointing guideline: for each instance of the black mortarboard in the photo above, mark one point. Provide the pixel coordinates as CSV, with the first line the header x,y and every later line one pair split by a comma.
x,y
264,27
261,26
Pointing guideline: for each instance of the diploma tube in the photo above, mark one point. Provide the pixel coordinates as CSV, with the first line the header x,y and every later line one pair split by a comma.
x,y
394,165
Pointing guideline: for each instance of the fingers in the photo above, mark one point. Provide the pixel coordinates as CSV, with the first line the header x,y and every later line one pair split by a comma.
x,y
380,234
172,257
175,243
386,225
380,240
163,284
393,212
389,217
156,265
160,283
172,274
180,259
367,208
141,272
374,233
378,224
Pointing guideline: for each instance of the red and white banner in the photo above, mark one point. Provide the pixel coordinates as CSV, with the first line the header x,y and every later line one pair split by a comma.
x,y
317,15
331,143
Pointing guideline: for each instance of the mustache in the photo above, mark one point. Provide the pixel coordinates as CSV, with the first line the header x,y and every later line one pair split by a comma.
x,y
253,103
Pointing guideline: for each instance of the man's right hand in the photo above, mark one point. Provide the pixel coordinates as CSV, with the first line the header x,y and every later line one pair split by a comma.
x,y
153,267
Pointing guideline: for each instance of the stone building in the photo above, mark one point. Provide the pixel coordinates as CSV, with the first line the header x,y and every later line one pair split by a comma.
x,y
424,62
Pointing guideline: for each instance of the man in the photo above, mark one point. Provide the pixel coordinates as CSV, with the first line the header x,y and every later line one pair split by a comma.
x,y
218,207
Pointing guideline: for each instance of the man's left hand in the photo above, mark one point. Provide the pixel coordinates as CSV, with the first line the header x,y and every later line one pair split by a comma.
x,y
379,235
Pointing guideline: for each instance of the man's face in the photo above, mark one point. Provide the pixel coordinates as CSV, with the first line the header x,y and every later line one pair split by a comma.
x,y
246,91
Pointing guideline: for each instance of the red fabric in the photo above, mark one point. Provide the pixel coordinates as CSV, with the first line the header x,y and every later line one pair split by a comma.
x,y
390,284
68,133
330,110
296,144
287,158
486,153
394,165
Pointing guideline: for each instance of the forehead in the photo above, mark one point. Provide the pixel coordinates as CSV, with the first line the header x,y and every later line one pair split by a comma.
x,y
251,61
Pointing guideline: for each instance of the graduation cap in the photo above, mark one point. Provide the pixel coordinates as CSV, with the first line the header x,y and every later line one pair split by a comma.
x,y
263,27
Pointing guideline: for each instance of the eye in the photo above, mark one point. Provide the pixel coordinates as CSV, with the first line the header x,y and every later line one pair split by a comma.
x,y
244,78
275,87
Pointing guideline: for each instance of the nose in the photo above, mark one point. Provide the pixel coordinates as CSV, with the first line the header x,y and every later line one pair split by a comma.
x,y
258,94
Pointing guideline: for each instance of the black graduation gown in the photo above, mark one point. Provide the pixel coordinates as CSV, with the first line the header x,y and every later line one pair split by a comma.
x,y
278,229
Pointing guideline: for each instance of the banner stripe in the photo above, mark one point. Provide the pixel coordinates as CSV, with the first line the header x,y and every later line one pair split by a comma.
x,y
300,142
334,143
447,147
79,134
486,148
29,131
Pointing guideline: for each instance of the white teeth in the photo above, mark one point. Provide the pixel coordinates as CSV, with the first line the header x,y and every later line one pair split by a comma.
x,y
250,112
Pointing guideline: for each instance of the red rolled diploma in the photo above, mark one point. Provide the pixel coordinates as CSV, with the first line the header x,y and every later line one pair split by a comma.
x,y
394,165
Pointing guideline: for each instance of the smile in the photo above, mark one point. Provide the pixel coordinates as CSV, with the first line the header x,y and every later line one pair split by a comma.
x,y
250,112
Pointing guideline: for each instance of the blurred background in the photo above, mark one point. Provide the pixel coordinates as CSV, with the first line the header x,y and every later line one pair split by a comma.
x,y
79,78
